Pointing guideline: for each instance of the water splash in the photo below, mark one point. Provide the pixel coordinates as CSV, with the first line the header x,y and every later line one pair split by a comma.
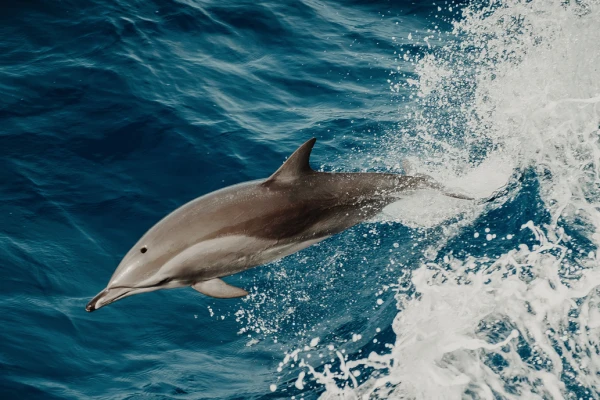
x,y
518,89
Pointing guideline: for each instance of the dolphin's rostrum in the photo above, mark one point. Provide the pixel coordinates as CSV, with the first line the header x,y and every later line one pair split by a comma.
x,y
250,224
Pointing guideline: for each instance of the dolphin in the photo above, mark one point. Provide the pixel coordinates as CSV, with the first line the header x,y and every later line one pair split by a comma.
x,y
253,223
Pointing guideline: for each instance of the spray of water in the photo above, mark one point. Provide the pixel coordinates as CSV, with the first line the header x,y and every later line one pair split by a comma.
x,y
517,93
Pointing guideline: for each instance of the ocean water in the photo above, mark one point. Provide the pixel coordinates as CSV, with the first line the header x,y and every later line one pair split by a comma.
x,y
115,113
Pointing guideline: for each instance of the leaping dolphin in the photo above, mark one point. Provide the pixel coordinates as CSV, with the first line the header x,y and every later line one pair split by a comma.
x,y
250,224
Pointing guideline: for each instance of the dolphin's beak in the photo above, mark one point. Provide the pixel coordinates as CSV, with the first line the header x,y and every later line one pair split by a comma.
x,y
106,297
91,306
110,295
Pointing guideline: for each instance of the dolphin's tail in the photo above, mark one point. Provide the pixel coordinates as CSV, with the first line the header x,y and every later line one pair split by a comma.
x,y
457,195
513,183
432,183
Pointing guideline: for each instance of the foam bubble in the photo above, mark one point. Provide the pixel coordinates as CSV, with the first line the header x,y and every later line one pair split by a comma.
x,y
519,90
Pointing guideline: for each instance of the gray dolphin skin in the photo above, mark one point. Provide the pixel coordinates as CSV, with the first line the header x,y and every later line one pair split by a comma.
x,y
250,224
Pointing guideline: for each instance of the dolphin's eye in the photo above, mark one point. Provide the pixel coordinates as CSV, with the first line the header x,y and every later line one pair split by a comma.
x,y
144,249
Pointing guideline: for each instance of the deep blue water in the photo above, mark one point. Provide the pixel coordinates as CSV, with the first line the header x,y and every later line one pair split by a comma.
x,y
114,113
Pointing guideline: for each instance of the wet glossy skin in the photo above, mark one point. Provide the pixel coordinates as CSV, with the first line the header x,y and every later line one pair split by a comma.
x,y
250,224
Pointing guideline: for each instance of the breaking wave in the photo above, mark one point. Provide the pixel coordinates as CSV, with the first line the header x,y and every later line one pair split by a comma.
x,y
501,305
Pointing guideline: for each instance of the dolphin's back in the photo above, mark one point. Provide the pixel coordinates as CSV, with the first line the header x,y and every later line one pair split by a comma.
x,y
281,211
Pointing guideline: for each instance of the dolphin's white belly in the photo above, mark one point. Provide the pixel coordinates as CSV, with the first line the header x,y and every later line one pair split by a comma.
x,y
228,255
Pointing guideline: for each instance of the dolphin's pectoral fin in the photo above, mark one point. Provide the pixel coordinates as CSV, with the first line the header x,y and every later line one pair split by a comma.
x,y
219,289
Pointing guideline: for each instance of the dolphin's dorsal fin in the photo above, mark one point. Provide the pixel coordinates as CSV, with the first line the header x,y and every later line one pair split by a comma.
x,y
295,166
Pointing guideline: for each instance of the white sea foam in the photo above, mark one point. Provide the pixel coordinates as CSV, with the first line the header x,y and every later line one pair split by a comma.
x,y
519,90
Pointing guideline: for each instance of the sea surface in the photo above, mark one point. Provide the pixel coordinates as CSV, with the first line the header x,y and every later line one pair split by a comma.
x,y
114,113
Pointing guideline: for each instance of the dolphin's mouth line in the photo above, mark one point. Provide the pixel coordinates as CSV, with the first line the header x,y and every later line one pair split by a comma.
x,y
118,297
91,306
166,280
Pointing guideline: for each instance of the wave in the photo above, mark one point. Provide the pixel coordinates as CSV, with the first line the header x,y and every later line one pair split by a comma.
x,y
513,311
